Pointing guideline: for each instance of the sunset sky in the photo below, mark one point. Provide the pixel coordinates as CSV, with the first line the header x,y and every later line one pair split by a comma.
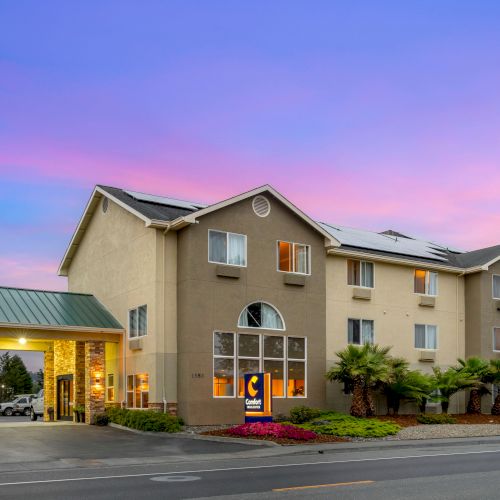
x,y
367,114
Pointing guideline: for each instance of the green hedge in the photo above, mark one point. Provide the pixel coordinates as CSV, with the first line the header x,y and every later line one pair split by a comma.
x,y
145,420
338,424
301,414
440,418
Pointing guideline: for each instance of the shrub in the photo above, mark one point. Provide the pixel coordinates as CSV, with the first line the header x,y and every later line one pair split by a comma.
x,y
144,420
101,419
337,424
272,430
442,418
301,414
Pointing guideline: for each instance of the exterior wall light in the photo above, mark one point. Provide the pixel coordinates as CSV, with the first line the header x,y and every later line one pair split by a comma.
x,y
97,379
22,341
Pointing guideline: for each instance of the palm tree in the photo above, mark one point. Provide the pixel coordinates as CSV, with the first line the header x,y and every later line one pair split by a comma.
x,y
494,378
403,384
360,368
449,382
376,371
479,369
349,370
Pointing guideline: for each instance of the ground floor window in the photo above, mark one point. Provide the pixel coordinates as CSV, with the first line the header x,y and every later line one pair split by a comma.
x,y
235,355
138,390
110,388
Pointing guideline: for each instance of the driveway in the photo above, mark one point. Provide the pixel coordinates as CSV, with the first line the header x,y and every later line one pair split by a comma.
x,y
67,445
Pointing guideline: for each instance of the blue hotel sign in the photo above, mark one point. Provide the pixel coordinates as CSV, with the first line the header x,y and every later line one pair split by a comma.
x,y
258,397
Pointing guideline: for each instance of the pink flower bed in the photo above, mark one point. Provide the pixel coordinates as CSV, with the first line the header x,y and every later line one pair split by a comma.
x,y
272,430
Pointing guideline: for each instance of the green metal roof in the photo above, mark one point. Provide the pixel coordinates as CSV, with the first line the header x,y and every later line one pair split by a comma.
x,y
19,306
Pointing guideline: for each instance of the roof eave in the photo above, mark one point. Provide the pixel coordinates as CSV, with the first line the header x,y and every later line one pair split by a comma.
x,y
394,260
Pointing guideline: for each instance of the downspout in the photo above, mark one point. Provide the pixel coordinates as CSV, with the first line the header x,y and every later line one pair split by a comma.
x,y
164,396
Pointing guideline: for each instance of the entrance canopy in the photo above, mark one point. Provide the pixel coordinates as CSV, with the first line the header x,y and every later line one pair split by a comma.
x,y
30,318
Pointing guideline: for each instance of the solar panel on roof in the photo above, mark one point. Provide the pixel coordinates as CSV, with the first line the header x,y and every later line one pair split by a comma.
x,y
386,243
162,200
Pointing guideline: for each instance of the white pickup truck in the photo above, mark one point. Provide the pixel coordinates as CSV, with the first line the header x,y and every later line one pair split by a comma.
x,y
36,409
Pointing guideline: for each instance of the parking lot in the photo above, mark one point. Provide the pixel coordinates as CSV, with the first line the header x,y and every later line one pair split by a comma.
x,y
14,418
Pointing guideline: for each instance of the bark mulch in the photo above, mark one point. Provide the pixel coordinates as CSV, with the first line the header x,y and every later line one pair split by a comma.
x,y
319,439
411,420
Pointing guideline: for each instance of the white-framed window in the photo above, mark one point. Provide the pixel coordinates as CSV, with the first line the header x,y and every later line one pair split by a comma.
x,y
227,248
426,337
224,354
296,367
496,338
360,273
360,331
274,363
496,286
138,322
294,257
284,357
110,387
249,347
138,390
261,315
426,282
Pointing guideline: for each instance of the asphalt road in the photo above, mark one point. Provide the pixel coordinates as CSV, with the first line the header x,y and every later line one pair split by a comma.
x,y
465,472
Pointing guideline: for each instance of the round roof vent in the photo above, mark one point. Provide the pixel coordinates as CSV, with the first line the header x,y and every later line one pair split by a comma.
x,y
261,206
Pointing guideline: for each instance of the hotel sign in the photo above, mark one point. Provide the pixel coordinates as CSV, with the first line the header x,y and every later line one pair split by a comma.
x,y
258,400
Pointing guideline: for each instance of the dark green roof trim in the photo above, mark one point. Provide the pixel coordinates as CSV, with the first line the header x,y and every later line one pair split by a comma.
x,y
20,306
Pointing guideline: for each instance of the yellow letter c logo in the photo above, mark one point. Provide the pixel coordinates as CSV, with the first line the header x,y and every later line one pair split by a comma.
x,y
251,390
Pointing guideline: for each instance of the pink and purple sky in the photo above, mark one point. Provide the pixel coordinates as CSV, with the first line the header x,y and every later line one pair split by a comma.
x,y
368,114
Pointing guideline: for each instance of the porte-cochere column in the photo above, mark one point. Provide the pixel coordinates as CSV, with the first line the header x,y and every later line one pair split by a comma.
x,y
48,384
94,380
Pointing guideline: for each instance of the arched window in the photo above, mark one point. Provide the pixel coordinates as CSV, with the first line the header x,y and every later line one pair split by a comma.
x,y
261,315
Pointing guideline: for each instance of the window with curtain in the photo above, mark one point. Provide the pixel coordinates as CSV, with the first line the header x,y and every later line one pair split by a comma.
x,y
138,322
224,354
496,286
360,273
425,336
426,282
227,248
261,315
496,339
294,257
360,331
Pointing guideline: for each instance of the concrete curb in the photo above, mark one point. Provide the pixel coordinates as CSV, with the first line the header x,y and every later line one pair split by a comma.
x,y
187,435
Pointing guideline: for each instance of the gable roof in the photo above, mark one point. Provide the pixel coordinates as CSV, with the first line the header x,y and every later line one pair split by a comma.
x,y
169,213
41,308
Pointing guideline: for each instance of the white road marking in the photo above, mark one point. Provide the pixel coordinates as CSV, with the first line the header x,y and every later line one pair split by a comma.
x,y
175,479
249,467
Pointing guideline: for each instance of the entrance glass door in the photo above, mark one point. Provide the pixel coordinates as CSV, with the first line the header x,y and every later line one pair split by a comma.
x,y
65,397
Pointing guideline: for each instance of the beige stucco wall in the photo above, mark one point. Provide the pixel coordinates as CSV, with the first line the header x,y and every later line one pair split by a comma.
x,y
120,261
395,309
207,303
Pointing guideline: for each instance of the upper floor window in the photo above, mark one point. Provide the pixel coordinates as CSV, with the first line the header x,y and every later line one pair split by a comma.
x,y
227,248
496,286
294,257
425,336
261,315
138,322
426,282
360,273
360,331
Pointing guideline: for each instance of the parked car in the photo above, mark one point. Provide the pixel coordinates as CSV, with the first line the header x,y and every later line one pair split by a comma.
x,y
36,408
19,406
